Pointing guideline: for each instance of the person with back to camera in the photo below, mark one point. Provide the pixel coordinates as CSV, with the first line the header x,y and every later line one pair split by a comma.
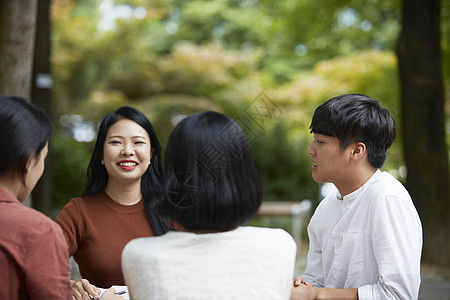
x,y
365,240
33,252
211,188
124,183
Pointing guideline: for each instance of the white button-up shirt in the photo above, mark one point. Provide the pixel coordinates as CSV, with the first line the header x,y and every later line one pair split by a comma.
x,y
370,239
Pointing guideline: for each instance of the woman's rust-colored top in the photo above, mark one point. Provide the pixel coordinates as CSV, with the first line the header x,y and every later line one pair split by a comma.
x,y
97,229
33,253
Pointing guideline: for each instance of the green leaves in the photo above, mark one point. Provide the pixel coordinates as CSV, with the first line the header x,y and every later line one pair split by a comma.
x,y
173,58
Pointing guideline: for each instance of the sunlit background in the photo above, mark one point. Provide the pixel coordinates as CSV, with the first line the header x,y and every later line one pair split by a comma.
x,y
174,58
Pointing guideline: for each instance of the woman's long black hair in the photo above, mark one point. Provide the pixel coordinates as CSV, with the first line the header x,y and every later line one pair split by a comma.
x,y
151,180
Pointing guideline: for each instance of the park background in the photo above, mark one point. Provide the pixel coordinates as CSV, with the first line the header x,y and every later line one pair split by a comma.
x,y
267,64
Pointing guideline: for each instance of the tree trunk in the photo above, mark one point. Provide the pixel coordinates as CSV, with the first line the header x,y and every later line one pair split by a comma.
x,y
41,96
17,30
422,101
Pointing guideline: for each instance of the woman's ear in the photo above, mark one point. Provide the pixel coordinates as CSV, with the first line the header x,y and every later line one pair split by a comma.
x,y
29,164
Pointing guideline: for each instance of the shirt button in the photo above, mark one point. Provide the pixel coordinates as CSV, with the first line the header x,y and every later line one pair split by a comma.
x,y
334,273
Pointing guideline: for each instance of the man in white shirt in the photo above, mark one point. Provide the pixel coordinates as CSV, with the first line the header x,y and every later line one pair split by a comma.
x,y
365,240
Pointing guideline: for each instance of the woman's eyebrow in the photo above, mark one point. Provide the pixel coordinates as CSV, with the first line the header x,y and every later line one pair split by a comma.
x,y
115,137
133,137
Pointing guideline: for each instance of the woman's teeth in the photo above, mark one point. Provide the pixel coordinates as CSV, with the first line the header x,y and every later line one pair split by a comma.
x,y
127,164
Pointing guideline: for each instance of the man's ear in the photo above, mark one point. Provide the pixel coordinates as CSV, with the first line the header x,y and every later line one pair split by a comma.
x,y
359,150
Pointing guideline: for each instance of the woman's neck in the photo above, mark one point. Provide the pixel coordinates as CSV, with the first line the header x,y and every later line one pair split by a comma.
x,y
11,181
124,193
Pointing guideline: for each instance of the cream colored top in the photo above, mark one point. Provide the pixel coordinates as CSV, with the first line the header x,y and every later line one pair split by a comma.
x,y
245,263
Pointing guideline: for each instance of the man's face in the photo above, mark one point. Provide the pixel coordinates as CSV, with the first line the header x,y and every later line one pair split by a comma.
x,y
330,163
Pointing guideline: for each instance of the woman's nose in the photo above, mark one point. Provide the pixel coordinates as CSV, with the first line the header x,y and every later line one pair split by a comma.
x,y
128,149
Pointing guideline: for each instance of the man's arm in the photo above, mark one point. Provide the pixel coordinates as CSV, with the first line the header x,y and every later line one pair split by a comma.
x,y
314,272
397,242
305,292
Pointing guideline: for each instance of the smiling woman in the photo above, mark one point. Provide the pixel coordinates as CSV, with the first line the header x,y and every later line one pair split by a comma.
x,y
126,156
124,182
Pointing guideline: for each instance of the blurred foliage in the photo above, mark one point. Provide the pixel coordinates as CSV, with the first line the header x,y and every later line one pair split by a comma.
x,y
284,222
279,160
69,160
171,58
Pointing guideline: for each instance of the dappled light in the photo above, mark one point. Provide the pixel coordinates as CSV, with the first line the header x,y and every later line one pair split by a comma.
x,y
171,59
266,64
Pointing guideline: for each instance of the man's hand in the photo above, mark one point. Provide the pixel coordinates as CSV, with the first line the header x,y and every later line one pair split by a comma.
x,y
304,292
299,280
